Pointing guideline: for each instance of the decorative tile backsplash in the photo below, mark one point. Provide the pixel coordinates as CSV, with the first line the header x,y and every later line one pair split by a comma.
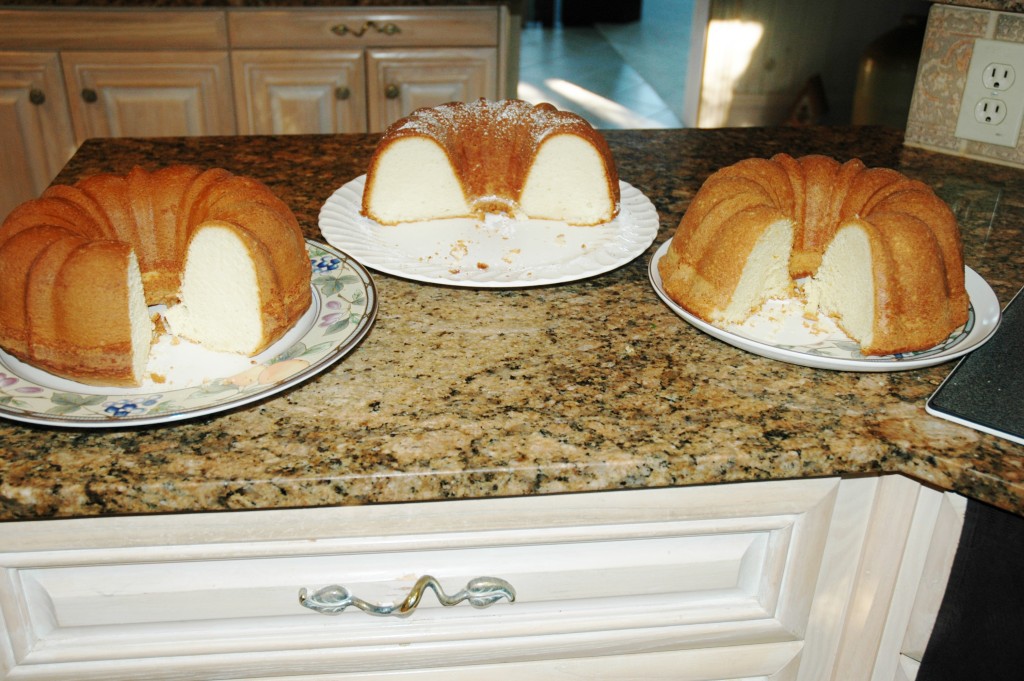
x,y
941,74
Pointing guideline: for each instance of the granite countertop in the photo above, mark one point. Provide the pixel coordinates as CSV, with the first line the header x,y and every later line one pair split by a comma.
x,y
590,385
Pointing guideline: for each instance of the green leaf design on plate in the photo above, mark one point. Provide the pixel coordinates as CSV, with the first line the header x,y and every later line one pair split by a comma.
x,y
330,286
67,403
338,326
297,350
320,348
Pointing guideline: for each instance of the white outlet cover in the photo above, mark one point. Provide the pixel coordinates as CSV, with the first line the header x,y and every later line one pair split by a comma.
x,y
1007,131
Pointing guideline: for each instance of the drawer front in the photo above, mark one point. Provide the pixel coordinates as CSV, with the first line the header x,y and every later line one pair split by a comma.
x,y
337,29
727,576
594,575
135,29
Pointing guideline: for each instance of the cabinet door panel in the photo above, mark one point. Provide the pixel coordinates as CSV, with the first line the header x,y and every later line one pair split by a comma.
x,y
608,576
296,91
400,81
149,94
35,128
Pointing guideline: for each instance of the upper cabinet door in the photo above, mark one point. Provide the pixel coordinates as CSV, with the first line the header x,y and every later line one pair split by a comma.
x,y
149,94
34,125
282,92
402,80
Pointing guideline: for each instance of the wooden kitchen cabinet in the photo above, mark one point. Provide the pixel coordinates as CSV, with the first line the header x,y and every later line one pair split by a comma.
x,y
808,579
409,58
35,128
299,91
307,91
149,94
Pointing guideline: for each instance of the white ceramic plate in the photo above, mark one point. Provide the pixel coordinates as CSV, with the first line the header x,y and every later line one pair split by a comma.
x,y
198,383
780,332
497,252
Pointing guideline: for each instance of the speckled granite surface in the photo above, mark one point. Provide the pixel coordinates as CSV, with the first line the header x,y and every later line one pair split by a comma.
x,y
591,385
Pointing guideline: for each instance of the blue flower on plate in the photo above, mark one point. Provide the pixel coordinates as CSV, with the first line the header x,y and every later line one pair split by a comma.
x,y
127,407
326,263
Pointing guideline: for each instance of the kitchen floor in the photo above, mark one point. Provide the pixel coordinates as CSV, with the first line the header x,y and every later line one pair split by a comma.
x,y
629,75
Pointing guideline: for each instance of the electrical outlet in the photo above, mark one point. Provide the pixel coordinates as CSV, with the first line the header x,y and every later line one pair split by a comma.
x,y
992,108
990,111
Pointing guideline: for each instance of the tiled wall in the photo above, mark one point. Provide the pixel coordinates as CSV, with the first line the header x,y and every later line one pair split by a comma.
x,y
942,70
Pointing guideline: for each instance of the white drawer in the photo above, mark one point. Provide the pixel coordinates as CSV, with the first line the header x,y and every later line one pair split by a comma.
x,y
727,575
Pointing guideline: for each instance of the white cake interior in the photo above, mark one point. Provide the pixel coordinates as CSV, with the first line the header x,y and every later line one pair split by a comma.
x,y
415,181
138,317
567,182
765,274
843,287
219,303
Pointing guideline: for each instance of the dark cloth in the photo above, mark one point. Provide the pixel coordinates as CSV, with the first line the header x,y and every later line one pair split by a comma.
x,y
979,631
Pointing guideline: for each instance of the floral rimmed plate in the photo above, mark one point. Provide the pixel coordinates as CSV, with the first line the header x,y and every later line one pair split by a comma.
x,y
343,310
496,252
779,331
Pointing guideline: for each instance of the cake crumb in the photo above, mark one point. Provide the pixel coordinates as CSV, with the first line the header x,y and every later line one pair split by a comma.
x,y
157,378
482,266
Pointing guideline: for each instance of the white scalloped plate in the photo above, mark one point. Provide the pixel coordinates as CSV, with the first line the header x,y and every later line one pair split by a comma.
x,y
779,331
341,315
496,252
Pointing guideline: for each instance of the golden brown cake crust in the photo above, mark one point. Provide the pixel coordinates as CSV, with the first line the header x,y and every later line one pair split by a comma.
x,y
63,258
471,132
918,267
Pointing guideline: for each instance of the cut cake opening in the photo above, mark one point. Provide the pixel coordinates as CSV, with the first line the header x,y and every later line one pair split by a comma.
x,y
138,317
414,180
765,273
219,303
843,287
567,182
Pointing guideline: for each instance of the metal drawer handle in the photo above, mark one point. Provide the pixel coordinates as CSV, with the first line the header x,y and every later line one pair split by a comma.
x,y
36,96
480,592
89,95
387,29
392,91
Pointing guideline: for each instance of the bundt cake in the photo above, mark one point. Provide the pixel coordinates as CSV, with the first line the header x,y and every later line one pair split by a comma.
x,y
80,265
875,250
508,156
